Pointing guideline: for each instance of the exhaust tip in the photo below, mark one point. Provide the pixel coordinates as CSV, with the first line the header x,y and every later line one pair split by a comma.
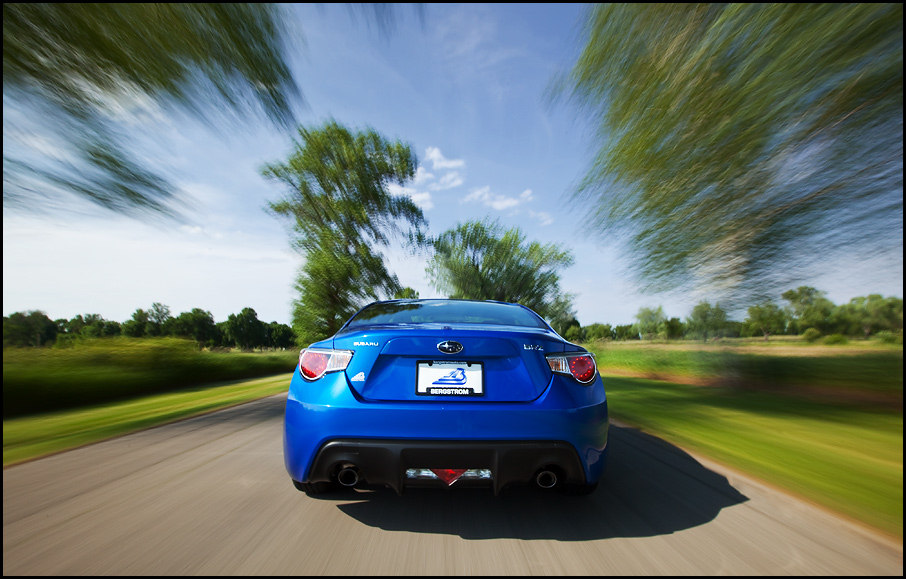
x,y
348,477
546,479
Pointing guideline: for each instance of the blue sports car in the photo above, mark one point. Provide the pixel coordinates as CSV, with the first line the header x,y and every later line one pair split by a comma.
x,y
439,392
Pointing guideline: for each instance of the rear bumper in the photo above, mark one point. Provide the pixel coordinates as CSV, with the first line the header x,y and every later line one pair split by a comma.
x,y
326,426
385,462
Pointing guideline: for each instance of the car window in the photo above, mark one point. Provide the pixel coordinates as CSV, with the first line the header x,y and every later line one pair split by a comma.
x,y
445,312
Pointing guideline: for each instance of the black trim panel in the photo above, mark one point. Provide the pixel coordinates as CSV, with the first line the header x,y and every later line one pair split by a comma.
x,y
384,462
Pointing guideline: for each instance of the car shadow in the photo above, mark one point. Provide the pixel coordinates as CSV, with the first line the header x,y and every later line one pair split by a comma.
x,y
651,488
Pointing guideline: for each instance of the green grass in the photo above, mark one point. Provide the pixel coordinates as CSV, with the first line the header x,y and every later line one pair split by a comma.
x,y
846,458
867,367
35,436
824,422
109,369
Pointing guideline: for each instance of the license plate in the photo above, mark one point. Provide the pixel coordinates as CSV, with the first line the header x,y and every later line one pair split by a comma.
x,y
447,378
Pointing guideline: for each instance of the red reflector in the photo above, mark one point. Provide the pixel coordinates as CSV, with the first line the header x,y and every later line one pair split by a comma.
x,y
448,475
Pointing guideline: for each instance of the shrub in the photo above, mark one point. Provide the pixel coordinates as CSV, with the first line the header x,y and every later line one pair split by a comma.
x,y
95,371
835,339
811,335
889,337
573,334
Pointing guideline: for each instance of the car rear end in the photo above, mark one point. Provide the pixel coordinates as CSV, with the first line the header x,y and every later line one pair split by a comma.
x,y
433,403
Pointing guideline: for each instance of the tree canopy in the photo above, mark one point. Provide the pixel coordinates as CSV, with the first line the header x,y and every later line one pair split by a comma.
x,y
706,321
72,72
735,139
246,329
341,210
650,321
479,260
76,76
767,318
809,308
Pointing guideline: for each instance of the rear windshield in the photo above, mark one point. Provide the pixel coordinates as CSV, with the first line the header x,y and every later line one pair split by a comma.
x,y
445,312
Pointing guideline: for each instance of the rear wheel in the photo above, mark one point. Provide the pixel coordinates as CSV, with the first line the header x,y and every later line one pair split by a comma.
x,y
313,488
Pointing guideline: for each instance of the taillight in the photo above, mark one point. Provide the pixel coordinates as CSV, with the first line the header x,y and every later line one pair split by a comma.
x,y
580,366
315,362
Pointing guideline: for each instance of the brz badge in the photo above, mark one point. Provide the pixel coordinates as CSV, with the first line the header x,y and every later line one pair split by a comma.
x,y
532,347
450,347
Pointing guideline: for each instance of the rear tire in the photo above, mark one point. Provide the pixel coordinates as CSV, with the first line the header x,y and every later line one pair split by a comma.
x,y
313,488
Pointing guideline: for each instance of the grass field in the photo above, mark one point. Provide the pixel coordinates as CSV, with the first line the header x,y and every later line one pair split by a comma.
x,y
824,422
868,370
109,369
844,457
35,436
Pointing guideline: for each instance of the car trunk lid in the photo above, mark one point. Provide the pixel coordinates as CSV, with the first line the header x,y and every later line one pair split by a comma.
x,y
495,364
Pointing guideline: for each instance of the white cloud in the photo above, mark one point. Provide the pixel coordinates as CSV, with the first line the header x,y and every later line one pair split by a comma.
x,y
421,175
438,161
484,196
448,181
543,217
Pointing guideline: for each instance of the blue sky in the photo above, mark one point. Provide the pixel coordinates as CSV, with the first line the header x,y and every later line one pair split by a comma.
x,y
465,90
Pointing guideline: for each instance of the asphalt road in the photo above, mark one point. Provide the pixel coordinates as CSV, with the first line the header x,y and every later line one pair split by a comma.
x,y
210,496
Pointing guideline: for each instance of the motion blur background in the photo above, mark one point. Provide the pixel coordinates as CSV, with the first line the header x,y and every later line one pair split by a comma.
x,y
749,151
707,196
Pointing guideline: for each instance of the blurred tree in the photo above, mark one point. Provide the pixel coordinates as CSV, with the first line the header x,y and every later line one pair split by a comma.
x,y
649,321
135,327
560,313
158,315
32,328
873,314
733,329
75,76
809,308
626,332
672,329
75,324
280,336
565,325
895,314
767,318
596,332
61,325
222,338
707,321
97,327
574,334
733,136
197,324
406,293
478,260
811,335
341,208
247,330
86,67
335,282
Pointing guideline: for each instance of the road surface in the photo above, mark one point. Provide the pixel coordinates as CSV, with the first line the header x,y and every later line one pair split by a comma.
x,y
210,496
